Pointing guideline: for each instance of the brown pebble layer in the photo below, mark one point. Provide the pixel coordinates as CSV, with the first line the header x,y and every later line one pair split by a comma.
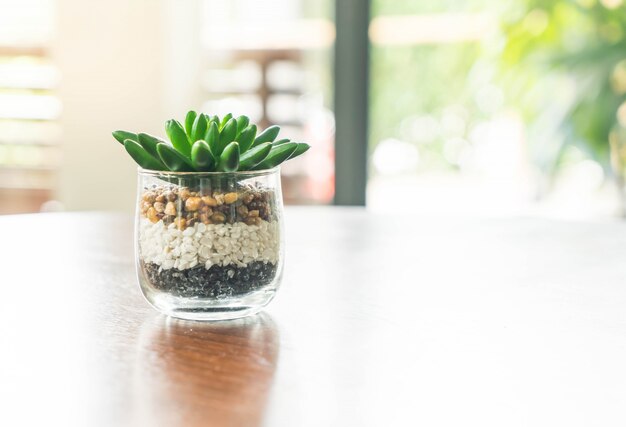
x,y
184,207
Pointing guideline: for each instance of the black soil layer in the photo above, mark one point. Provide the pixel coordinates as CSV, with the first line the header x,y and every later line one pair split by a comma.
x,y
216,282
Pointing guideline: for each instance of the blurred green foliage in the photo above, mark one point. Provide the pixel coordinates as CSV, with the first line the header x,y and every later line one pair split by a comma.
x,y
412,82
560,63
564,64
412,7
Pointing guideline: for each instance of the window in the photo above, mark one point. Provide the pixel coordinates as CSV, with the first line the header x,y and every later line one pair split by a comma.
x,y
272,62
29,108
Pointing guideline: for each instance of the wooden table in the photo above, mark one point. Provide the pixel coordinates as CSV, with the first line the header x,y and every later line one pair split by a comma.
x,y
381,321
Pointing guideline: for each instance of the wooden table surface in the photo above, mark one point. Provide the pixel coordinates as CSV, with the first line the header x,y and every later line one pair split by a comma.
x,y
400,321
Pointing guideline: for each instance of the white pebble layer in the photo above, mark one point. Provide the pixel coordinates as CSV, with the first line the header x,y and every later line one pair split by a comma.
x,y
212,244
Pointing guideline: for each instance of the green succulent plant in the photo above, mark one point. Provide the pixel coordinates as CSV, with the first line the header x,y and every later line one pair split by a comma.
x,y
207,144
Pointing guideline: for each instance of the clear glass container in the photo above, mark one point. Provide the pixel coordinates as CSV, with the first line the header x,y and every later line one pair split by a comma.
x,y
209,246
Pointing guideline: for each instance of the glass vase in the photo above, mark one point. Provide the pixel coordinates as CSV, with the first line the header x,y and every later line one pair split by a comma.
x,y
209,246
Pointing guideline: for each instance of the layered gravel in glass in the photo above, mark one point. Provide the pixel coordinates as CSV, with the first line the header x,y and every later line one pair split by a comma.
x,y
208,244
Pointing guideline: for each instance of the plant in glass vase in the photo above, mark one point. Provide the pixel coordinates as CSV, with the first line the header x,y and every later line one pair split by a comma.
x,y
208,233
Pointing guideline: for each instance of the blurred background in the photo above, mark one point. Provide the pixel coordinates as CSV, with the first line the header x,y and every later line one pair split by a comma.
x,y
463,107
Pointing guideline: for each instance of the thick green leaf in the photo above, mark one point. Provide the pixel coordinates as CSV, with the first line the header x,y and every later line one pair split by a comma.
x,y
242,123
228,133
189,119
225,120
149,143
277,155
268,135
141,156
201,157
122,135
198,130
174,160
213,119
246,138
213,139
254,156
229,159
300,149
227,145
179,138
